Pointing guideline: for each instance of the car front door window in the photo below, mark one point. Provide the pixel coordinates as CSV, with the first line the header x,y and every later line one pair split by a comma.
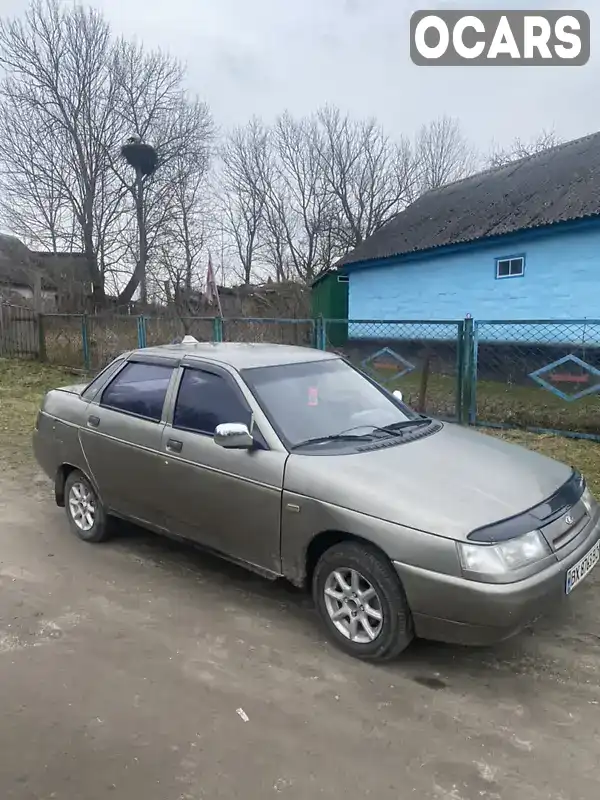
x,y
206,400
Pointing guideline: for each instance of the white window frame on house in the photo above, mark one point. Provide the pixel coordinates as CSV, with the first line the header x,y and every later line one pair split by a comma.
x,y
516,267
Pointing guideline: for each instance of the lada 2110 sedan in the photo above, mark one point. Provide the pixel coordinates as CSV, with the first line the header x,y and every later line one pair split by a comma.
x,y
290,461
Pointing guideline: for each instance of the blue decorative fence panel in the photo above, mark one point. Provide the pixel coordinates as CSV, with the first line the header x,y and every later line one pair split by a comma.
x,y
538,375
423,359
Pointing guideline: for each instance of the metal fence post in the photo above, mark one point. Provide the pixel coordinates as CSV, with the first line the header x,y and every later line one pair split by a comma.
x,y
321,333
85,342
141,332
217,329
468,408
313,332
474,373
460,367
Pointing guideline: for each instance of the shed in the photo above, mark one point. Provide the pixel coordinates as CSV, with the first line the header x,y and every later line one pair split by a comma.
x,y
329,300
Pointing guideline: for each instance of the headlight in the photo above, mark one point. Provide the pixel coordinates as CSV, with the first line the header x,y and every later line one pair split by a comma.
x,y
588,500
503,557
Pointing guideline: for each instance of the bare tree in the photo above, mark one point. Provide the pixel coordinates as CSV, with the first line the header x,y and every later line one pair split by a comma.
x,y
300,193
443,155
71,96
33,203
297,203
244,158
186,229
58,60
178,259
522,149
153,107
369,177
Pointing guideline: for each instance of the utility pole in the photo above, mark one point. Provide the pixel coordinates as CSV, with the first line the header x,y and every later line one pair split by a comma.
x,y
144,160
141,223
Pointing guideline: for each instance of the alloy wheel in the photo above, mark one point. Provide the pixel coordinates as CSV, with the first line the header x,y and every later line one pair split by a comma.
x,y
353,605
82,506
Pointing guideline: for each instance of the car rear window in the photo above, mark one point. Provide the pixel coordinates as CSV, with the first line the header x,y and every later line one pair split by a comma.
x,y
139,389
91,390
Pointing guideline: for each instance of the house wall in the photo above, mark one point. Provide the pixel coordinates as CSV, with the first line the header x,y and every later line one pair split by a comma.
x,y
49,300
561,281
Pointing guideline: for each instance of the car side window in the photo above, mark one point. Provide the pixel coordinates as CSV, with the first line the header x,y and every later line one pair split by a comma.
x,y
91,389
206,400
139,389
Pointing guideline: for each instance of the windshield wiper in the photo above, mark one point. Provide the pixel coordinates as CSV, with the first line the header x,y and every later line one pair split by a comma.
x,y
334,437
398,427
346,436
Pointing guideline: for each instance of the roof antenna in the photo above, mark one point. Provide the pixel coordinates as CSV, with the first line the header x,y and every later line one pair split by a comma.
x,y
189,340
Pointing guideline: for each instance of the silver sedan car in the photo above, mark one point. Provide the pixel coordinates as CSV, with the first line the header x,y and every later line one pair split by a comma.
x,y
293,463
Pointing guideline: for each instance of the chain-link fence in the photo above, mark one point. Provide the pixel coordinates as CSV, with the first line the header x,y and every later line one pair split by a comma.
x,y
162,330
421,359
108,336
19,332
63,337
538,375
86,341
90,342
276,331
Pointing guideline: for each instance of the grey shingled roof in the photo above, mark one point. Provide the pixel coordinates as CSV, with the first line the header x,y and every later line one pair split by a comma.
x,y
558,185
19,266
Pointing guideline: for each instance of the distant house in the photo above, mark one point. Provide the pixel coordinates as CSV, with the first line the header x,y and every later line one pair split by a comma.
x,y
520,242
50,282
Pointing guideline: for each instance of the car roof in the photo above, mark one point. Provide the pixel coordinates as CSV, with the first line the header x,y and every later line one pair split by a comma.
x,y
239,355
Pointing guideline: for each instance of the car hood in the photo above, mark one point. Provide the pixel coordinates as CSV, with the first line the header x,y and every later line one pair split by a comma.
x,y
448,483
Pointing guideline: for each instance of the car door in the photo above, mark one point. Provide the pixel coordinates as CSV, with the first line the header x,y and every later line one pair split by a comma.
x,y
229,500
122,439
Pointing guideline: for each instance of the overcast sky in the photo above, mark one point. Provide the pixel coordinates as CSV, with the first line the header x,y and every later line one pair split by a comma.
x,y
260,57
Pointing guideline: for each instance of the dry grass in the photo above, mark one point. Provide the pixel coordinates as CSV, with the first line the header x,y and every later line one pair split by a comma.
x,y
23,384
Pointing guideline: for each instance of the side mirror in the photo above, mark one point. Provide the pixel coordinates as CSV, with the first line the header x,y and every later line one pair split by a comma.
x,y
398,394
233,436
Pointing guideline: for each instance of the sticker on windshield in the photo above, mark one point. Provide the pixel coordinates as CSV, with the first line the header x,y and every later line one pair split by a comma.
x,y
313,396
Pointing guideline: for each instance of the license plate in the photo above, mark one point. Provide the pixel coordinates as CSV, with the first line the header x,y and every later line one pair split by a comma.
x,y
579,571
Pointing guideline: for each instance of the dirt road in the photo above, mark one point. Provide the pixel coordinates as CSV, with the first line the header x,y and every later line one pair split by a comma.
x,y
123,666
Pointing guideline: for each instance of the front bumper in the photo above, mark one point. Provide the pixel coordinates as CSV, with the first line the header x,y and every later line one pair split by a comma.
x,y
453,609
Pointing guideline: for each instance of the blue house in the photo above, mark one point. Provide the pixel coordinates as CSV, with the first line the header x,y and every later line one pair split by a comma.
x,y
520,242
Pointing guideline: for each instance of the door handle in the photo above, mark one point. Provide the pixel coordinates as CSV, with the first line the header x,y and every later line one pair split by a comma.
x,y
174,445
93,422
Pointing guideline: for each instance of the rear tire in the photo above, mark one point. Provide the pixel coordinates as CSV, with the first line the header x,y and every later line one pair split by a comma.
x,y
361,602
85,511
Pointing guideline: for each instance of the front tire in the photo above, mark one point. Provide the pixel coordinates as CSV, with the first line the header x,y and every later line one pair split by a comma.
x,y
361,602
86,515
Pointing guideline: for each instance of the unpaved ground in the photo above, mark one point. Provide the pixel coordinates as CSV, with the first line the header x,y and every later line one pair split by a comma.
x,y
122,667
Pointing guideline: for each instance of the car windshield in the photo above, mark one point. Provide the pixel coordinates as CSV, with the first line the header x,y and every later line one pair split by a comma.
x,y
321,400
